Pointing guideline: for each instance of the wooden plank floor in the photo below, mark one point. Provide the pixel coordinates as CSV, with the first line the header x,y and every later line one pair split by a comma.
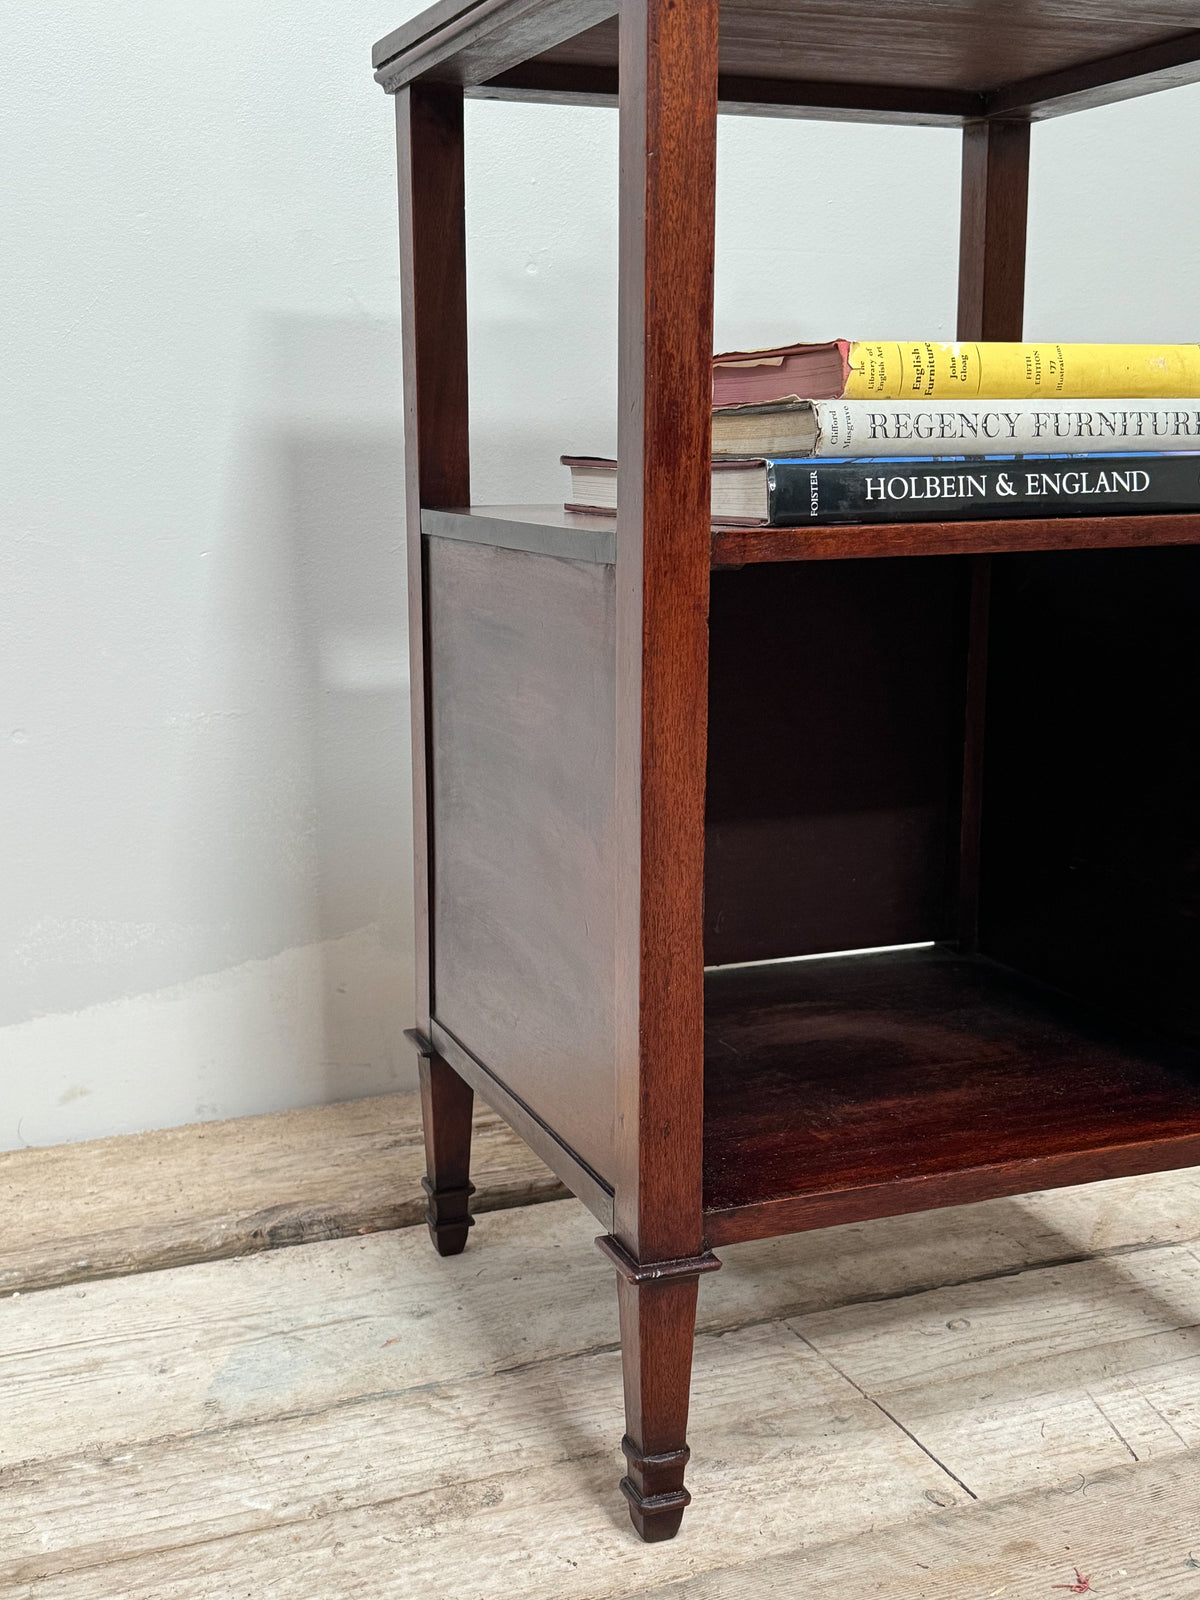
x,y
964,1404
217,1189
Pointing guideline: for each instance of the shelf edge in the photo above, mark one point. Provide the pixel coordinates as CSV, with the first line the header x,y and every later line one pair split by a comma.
x,y
766,1219
582,1181
867,540
571,543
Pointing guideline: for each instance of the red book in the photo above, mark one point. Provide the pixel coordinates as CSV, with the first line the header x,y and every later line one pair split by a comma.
x,y
800,371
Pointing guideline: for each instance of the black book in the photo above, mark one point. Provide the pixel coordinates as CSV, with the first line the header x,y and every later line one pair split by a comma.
x,y
789,492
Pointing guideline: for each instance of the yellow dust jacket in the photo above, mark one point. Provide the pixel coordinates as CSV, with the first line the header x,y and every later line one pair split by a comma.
x,y
887,370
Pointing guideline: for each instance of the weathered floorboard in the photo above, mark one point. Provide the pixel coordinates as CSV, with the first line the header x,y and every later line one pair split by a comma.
x,y
327,1420
471,1467
1029,1379
1130,1530
445,1478
212,1190
226,1342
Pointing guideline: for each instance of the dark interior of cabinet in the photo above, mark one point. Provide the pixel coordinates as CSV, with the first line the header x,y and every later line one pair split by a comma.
x,y
836,705
837,716
1091,820
837,742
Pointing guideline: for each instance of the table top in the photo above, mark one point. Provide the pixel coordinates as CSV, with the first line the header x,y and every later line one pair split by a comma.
x,y
950,59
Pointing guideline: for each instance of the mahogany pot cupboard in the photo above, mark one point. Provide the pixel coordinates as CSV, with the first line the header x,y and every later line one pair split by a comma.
x,y
650,759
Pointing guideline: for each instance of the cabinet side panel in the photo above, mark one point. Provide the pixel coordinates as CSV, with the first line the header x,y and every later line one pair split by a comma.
x,y
1091,791
522,710
834,746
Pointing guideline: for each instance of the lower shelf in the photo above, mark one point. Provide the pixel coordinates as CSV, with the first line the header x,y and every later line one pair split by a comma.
x,y
863,1086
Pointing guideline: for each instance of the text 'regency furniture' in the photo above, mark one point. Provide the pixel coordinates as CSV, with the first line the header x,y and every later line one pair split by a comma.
x,y
642,750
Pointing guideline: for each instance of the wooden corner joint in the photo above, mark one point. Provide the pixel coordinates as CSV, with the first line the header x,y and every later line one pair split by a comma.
x,y
422,1043
644,1272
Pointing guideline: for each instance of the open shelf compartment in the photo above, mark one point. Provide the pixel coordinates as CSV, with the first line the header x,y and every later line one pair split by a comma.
x,y
997,757
866,1085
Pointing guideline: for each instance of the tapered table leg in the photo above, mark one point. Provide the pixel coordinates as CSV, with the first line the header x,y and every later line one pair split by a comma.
x,y
657,1303
658,1323
429,142
667,138
446,1104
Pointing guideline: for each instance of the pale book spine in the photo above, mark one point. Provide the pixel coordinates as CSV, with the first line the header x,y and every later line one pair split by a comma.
x,y
1001,427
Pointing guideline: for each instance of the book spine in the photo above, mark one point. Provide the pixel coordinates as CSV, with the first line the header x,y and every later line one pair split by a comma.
x,y
982,428
946,488
924,370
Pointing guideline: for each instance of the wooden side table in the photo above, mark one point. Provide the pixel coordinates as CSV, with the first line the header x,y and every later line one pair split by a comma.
x,y
645,756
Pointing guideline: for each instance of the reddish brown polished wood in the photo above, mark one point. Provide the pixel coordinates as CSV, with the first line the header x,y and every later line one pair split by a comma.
x,y
1164,64
446,1104
958,60
865,540
994,203
1167,65
521,656
657,1316
993,207
470,43
429,144
844,1089
566,83
667,220
536,526
563,687
658,1322
433,293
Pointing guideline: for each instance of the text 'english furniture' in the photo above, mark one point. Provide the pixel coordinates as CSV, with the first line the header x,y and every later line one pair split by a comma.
x,y
650,759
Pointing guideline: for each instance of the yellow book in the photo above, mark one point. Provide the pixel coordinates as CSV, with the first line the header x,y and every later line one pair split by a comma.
x,y
926,371
865,369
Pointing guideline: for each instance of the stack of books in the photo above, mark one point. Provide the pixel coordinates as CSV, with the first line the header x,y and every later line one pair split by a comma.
x,y
886,432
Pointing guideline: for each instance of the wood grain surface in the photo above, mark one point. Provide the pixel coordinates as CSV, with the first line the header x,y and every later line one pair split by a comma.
x,y
433,295
993,224
521,651
938,1406
545,78
553,531
543,530
447,1102
871,540
993,207
470,43
212,1190
902,61
566,1163
841,1089
1124,1524
664,392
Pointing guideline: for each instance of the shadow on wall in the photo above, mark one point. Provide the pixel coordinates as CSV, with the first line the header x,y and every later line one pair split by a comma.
x,y
215,913
342,480
315,865
347,529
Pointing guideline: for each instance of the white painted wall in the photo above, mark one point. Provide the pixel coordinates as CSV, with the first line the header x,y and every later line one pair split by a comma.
x,y
204,884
